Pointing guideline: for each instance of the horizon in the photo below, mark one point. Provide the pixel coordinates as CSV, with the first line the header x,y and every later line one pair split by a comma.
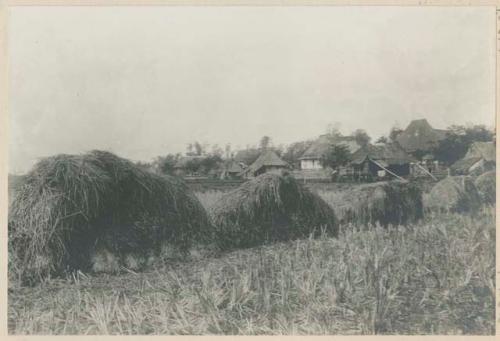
x,y
146,85
184,153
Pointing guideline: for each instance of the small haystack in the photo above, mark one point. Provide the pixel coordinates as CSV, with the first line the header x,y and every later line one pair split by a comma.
x,y
486,186
271,207
453,194
72,208
392,202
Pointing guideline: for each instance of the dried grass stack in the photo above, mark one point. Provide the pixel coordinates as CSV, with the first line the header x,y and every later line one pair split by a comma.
x,y
71,208
453,194
394,202
270,208
486,186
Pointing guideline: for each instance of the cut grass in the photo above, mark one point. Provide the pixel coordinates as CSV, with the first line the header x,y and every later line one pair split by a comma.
x,y
435,277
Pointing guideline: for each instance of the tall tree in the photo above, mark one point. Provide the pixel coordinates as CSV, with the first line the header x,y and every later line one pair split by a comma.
x,y
198,148
336,156
295,150
458,140
394,133
166,164
265,141
362,137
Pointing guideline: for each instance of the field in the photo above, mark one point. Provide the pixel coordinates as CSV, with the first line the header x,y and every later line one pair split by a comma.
x,y
435,277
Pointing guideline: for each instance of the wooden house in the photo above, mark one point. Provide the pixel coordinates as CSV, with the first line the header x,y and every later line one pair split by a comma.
x,y
311,159
267,162
380,161
419,138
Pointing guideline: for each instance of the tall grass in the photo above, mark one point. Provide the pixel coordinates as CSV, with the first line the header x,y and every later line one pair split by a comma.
x,y
434,277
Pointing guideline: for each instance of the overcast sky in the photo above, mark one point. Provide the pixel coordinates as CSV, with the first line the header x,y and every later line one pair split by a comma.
x,y
143,82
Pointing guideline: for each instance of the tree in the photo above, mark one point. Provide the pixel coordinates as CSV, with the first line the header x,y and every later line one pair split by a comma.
x,y
198,148
362,137
216,150
166,164
458,140
209,163
227,150
333,129
394,133
248,155
336,156
382,139
265,141
295,150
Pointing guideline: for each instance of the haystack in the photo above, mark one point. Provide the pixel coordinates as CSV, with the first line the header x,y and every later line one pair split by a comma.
x,y
392,202
453,194
71,208
271,207
486,187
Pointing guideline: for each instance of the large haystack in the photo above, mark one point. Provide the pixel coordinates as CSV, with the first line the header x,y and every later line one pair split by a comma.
x,y
393,202
453,194
72,207
270,208
486,186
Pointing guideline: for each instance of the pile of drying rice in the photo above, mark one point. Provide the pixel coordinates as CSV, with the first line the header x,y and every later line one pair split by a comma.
x,y
270,208
73,211
486,187
392,202
453,194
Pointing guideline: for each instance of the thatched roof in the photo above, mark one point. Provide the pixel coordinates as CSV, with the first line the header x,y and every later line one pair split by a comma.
x,y
233,167
420,135
477,151
484,150
321,145
463,165
390,154
267,159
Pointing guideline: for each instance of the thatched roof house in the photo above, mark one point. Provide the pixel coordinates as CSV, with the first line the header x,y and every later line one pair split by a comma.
x,y
232,170
381,160
420,136
480,157
182,165
311,159
268,161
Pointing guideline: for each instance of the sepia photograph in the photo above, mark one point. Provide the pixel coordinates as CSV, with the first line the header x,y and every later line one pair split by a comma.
x,y
251,170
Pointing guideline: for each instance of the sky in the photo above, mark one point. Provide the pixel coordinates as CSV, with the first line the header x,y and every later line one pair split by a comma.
x,y
146,81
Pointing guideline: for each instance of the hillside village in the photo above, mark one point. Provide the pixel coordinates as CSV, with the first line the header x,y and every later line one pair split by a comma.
x,y
418,151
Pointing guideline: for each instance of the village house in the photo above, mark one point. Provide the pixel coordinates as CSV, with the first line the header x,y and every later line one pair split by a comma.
x,y
311,159
181,168
480,158
379,161
267,162
232,170
420,138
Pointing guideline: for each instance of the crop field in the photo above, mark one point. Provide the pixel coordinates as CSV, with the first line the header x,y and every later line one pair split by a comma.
x,y
431,277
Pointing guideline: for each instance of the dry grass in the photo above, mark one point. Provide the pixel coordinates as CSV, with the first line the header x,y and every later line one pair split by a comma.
x,y
383,202
435,277
268,209
486,187
70,206
453,194
209,198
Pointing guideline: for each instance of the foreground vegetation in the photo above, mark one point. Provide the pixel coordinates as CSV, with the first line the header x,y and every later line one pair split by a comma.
x,y
434,277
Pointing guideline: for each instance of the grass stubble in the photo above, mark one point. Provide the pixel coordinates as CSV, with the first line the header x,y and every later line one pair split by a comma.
x,y
431,277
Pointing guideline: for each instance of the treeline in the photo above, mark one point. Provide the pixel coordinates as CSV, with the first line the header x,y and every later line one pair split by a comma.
x,y
205,159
